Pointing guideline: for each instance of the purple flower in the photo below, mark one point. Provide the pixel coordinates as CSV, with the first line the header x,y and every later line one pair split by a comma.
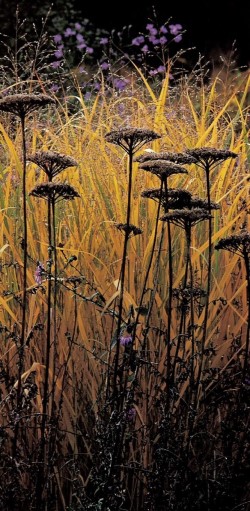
x,y
81,46
58,53
130,414
104,66
151,28
163,29
87,96
178,38
175,29
68,32
56,64
54,87
161,69
120,83
57,38
144,49
39,272
104,40
80,38
163,39
125,340
137,41
89,50
78,26
153,39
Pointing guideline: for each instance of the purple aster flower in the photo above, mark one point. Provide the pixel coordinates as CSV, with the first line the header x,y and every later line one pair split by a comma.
x,y
120,83
130,414
39,272
80,38
57,38
54,88
137,41
144,49
125,340
58,53
153,39
104,66
161,69
163,29
163,39
89,50
69,32
175,29
87,96
104,40
151,28
81,46
178,38
78,26
56,64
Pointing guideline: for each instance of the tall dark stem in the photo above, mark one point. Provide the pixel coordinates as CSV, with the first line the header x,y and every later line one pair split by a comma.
x,y
24,293
209,268
122,273
246,259
42,453
170,277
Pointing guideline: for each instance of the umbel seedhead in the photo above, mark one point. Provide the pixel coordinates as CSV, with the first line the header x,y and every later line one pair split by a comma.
x,y
23,104
131,139
54,192
51,162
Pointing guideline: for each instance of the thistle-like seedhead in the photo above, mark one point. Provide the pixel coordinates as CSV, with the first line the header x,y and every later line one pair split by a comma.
x,y
162,168
23,104
180,158
54,192
131,229
51,162
209,157
186,217
236,243
131,139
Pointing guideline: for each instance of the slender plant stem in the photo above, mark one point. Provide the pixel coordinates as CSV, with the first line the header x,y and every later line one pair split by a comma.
x,y
24,293
122,273
245,365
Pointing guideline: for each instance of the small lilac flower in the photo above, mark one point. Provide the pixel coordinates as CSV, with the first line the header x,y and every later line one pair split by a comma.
x,y
120,83
39,272
82,70
137,41
153,72
89,50
175,29
69,32
151,28
54,87
163,29
80,38
58,53
104,40
130,414
144,49
125,340
153,39
56,64
178,38
78,26
161,69
163,39
57,38
104,66
81,46
97,85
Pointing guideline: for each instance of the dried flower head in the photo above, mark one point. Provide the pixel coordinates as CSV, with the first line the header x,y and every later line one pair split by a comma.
x,y
131,229
186,217
23,104
180,158
131,139
54,192
126,340
237,243
52,163
175,196
162,168
209,157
